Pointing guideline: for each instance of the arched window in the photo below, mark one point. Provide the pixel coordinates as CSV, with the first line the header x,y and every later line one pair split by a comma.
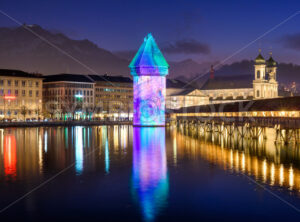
x,y
257,93
258,74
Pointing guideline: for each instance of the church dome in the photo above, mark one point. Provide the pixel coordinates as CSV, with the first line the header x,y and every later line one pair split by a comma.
x,y
271,62
260,59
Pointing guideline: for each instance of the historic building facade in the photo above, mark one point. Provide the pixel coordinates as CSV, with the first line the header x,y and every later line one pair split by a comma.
x,y
68,96
224,89
265,84
20,95
113,97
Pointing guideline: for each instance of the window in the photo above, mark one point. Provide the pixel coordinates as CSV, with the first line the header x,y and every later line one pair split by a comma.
x,y
16,92
37,84
37,93
88,93
16,82
23,83
9,82
91,93
258,74
30,83
9,92
1,92
257,93
1,82
23,93
30,93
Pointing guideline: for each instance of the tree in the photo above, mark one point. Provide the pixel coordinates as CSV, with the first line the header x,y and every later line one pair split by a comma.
x,y
24,111
38,112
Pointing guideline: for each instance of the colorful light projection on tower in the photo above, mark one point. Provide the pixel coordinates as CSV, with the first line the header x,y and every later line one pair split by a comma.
x,y
149,69
150,183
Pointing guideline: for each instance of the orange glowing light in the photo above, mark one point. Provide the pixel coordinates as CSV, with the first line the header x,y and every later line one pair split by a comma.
x,y
10,156
8,97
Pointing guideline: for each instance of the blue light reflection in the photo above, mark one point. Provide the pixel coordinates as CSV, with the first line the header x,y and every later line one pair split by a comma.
x,y
150,184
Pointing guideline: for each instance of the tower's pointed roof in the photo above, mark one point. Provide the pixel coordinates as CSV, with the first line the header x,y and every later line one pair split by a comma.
x,y
271,62
149,60
260,59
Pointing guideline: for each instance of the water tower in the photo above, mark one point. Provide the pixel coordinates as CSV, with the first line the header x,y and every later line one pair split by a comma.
x,y
149,69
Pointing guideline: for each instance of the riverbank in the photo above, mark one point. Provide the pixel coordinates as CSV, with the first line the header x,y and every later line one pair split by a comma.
x,y
62,123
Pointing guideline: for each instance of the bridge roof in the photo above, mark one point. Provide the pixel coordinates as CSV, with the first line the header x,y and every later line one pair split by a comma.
x,y
278,104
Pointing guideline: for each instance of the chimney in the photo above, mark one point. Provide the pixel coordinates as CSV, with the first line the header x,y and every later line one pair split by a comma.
x,y
212,72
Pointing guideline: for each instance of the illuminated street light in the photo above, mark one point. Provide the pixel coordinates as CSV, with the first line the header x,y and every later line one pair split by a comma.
x,y
9,97
78,96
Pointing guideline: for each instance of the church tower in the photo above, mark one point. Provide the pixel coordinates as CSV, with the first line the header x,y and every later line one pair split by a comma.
x,y
272,75
260,77
265,84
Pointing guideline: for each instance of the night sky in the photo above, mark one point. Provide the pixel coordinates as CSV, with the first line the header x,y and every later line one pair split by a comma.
x,y
203,30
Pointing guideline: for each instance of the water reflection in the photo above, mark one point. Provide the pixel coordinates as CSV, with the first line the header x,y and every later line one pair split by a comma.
x,y
150,180
10,156
266,161
107,158
78,149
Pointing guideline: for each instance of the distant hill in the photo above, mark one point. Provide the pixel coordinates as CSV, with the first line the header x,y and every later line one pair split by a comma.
x,y
21,49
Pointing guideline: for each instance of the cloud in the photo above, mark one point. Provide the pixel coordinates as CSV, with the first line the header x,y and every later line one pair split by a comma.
x,y
291,41
186,46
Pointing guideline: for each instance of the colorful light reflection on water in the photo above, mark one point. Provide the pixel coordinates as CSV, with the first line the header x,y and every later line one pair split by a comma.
x,y
151,174
10,156
150,182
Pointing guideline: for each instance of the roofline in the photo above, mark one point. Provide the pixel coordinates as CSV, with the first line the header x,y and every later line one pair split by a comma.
x,y
68,82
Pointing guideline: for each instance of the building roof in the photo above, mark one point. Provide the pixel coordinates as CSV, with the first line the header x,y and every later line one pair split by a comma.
x,y
229,82
277,104
271,62
149,58
67,78
260,59
184,92
106,78
176,83
18,73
